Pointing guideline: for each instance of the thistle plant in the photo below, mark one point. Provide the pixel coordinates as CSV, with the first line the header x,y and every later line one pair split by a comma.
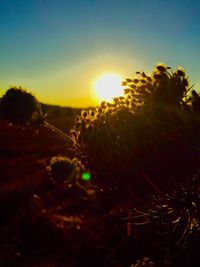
x,y
21,108
62,169
146,144
66,172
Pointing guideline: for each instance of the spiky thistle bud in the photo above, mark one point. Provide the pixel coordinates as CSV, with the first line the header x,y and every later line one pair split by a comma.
x,y
61,168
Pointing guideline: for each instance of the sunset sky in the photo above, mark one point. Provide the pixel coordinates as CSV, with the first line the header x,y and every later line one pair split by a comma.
x,y
58,48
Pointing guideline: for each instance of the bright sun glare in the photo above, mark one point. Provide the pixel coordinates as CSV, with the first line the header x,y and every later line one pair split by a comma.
x,y
108,86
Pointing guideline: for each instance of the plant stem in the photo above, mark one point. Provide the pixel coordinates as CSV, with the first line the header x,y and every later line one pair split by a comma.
x,y
59,132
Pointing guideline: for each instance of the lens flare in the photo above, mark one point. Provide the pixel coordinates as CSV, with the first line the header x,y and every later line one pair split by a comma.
x,y
86,176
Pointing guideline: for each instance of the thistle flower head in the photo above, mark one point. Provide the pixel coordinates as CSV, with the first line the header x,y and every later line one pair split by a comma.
x,y
20,107
61,168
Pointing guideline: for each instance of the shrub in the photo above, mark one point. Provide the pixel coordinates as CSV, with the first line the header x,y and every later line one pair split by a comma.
x,y
145,140
20,107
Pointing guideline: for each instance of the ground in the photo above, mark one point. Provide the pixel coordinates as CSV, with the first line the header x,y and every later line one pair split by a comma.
x,y
46,224
42,223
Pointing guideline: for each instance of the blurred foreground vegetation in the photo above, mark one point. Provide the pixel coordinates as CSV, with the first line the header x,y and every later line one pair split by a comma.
x,y
143,199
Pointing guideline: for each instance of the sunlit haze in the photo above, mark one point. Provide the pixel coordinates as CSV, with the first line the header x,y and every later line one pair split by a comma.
x,y
108,86
57,49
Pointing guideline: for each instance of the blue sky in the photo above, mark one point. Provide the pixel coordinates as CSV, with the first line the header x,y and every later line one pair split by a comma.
x,y
56,49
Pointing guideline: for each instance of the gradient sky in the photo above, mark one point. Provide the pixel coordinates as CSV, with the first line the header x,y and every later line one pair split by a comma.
x,y
57,48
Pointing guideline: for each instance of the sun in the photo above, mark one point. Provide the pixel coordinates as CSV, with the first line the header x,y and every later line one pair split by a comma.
x,y
108,86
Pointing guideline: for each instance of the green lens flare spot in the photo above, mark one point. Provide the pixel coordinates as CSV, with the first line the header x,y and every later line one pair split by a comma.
x,y
86,176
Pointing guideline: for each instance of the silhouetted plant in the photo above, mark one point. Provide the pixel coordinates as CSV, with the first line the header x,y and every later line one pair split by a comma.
x,y
66,171
146,145
62,168
176,212
144,139
20,107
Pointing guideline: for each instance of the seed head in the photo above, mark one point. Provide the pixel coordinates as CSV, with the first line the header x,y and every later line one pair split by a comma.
x,y
133,86
92,113
143,75
110,105
127,102
161,67
103,104
181,72
116,99
78,119
61,168
84,114
100,110
126,91
143,81
98,115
